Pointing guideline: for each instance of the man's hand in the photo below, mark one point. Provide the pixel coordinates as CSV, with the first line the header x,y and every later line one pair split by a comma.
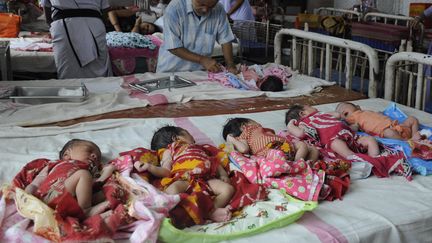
x,y
210,64
232,69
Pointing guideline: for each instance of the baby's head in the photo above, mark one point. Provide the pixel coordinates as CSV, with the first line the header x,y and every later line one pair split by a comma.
x,y
234,126
169,134
345,109
297,112
271,83
146,28
82,150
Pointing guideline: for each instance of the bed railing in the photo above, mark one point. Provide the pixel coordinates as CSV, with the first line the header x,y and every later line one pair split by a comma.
x,y
310,52
388,18
401,70
353,15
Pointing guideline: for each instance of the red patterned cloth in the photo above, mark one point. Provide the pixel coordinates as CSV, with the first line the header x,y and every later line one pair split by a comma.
x,y
258,137
421,149
71,221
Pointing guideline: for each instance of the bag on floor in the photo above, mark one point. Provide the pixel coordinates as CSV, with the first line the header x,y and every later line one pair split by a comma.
x,y
9,25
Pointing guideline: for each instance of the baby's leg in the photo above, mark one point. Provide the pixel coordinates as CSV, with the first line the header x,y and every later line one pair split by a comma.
x,y
224,193
177,187
371,144
413,123
301,150
79,184
340,147
313,153
390,133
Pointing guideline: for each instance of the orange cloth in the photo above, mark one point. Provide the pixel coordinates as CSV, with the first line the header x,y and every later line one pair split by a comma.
x,y
375,123
258,138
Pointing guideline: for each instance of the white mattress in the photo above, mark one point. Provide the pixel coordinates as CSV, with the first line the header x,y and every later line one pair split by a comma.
x,y
374,210
31,61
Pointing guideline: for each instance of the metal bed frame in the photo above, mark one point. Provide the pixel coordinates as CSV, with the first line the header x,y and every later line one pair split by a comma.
x,y
254,31
400,71
310,51
352,15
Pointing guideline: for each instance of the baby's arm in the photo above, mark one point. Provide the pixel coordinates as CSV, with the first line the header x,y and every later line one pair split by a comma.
x,y
160,171
297,131
33,186
107,171
335,114
240,146
223,175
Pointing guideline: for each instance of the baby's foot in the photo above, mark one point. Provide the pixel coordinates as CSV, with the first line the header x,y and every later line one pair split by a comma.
x,y
98,209
221,215
416,136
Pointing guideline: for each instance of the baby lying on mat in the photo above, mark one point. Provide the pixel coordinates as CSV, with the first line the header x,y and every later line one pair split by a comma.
x,y
185,164
329,131
67,187
249,137
377,124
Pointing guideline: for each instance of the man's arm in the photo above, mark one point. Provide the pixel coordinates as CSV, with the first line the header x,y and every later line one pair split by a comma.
x,y
208,63
236,6
227,51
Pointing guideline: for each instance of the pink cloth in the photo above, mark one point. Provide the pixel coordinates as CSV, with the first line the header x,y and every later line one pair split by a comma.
x,y
123,60
149,205
273,171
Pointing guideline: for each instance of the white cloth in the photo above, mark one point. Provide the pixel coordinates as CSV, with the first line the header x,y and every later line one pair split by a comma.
x,y
244,12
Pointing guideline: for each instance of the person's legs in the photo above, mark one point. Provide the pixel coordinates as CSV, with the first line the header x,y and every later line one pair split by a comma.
x,y
313,153
79,184
340,147
224,193
412,123
301,150
371,144
177,187
390,133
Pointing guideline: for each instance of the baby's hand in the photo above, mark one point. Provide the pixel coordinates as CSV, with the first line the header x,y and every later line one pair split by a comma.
x,y
230,138
141,167
292,122
224,178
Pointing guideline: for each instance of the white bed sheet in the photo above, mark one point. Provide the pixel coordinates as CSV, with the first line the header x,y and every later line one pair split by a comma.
x,y
107,95
31,61
374,210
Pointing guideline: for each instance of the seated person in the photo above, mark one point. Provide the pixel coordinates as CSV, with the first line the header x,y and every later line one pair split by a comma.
x,y
179,150
249,137
125,20
327,130
377,124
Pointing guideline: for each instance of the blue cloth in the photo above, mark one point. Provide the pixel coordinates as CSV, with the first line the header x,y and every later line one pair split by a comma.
x,y
129,40
183,28
420,166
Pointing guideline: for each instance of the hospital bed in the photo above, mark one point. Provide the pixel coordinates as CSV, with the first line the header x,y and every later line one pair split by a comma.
x,y
350,14
408,79
374,210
